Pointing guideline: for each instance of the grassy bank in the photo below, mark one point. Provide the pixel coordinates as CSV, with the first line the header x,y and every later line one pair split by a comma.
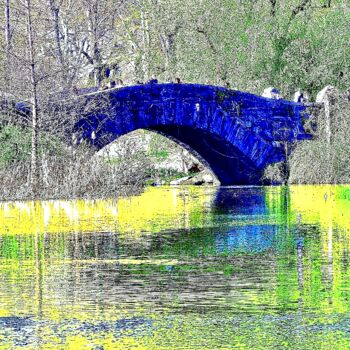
x,y
65,172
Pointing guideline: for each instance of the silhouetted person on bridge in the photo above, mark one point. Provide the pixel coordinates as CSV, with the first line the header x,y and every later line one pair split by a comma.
x,y
298,96
153,80
120,83
271,93
75,90
301,96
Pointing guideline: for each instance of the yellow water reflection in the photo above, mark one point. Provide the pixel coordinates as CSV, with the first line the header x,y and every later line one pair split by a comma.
x,y
64,266
158,209
154,210
312,204
326,205
329,207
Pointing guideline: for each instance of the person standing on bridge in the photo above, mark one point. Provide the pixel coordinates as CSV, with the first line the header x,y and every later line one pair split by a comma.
x,y
153,80
271,93
75,90
120,83
111,84
301,96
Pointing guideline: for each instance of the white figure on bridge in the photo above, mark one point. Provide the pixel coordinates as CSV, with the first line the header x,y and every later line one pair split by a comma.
x,y
298,96
111,84
301,96
75,139
272,93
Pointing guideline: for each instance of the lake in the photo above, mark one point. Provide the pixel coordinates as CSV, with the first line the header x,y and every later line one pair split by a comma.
x,y
178,268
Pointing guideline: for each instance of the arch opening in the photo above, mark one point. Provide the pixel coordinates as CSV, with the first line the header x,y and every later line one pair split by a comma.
x,y
165,159
225,162
228,164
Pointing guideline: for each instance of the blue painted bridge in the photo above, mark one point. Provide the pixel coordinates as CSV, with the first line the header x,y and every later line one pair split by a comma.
x,y
236,134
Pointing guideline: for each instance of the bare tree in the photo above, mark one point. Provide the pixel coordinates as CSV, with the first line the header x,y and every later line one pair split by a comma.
x,y
34,171
7,26
7,41
55,10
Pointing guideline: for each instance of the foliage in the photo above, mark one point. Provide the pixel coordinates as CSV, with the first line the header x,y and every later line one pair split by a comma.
x,y
159,147
320,160
288,45
16,145
274,173
249,44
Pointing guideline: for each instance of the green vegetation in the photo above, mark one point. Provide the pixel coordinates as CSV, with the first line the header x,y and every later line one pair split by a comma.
x,y
16,145
159,154
159,147
326,158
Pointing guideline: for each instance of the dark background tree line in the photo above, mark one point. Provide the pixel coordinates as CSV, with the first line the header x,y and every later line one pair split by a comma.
x,y
52,46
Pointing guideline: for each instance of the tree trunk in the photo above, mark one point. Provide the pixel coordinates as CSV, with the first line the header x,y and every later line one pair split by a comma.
x,y
145,45
55,19
7,42
96,52
34,170
7,25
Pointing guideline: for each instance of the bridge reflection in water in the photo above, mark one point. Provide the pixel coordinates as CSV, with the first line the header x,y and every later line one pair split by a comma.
x,y
178,266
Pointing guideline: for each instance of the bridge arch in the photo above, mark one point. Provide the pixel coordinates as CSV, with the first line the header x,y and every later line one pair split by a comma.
x,y
236,134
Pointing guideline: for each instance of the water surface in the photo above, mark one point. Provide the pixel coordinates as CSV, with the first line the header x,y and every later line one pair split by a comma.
x,y
178,268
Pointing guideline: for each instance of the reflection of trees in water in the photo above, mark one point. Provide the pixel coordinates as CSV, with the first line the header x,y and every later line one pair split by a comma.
x,y
303,265
306,245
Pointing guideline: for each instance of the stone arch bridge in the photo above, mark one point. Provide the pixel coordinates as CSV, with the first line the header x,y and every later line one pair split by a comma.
x,y
235,134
